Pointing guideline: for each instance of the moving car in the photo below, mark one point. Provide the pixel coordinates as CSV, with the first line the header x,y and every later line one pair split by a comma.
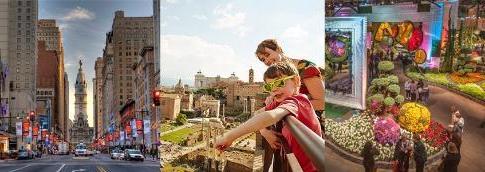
x,y
80,150
116,154
133,154
63,149
25,154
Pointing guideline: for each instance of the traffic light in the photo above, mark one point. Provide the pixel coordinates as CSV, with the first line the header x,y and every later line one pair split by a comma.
x,y
156,97
32,115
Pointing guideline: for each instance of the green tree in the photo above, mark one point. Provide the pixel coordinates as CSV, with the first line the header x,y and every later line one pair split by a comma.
x,y
181,119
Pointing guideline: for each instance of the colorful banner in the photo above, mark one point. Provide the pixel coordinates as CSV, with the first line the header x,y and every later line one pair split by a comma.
x,y
128,130
44,134
122,135
25,128
139,124
18,128
35,131
146,126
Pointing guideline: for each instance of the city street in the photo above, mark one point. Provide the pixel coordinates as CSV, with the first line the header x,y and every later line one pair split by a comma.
x,y
69,163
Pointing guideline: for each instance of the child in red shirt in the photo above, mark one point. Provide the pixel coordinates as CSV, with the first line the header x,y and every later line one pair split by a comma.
x,y
282,81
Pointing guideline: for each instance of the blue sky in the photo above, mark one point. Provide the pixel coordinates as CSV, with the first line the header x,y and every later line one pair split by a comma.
x,y
84,24
220,37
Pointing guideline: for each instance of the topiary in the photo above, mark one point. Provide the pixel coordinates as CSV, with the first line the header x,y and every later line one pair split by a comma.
x,y
414,117
399,99
393,88
393,79
389,101
376,97
385,66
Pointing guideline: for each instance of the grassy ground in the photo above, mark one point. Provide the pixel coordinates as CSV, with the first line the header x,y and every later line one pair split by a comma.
x,y
177,136
335,111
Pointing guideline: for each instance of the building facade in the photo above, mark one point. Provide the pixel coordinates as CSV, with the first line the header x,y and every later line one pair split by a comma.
x,y
81,132
98,99
240,95
48,32
169,106
201,81
18,51
47,79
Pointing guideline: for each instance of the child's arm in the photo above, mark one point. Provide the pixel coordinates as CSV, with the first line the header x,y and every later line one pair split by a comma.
x,y
255,123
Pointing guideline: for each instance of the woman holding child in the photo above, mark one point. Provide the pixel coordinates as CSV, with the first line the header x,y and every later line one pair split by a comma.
x,y
296,88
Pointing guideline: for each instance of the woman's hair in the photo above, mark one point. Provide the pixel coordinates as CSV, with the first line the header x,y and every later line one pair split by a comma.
x,y
268,43
273,45
280,69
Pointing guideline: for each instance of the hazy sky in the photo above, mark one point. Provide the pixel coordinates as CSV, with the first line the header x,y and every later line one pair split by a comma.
x,y
84,24
219,37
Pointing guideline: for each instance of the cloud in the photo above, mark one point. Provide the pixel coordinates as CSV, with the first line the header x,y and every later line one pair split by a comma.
x,y
171,1
295,32
79,13
183,56
229,18
175,18
200,17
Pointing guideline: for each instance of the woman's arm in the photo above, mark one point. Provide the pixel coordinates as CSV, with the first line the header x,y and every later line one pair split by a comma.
x,y
315,87
255,123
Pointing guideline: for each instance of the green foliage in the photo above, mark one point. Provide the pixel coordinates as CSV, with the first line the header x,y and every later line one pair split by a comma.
x,y
399,99
483,85
178,136
394,88
385,66
181,119
376,97
393,79
389,101
214,92
473,89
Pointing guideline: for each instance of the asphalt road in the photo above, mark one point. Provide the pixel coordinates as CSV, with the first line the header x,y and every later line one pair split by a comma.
x,y
69,163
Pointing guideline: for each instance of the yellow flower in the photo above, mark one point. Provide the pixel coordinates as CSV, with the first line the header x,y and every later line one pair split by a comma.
x,y
414,117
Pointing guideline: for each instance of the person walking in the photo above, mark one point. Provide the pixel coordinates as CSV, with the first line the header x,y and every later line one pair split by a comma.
x,y
368,153
402,154
420,154
407,88
413,89
452,158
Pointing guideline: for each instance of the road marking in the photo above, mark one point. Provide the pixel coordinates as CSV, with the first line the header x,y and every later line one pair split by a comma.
x,y
101,169
20,168
78,170
61,167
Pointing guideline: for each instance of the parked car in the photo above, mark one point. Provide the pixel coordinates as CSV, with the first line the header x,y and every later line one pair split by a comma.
x,y
25,154
116,154
133,154
81,150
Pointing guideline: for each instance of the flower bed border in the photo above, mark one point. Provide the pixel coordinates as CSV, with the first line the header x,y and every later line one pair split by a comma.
x,y
379,164
451,90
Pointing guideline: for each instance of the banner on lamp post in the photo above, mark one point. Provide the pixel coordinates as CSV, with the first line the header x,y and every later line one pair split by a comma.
x,y
18,128
146,126
122,136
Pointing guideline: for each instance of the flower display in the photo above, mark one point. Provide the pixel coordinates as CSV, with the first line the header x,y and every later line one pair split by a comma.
x,y
385,66
414,117
352,134
376,97
393,79
389,101
394,88
386,131
435,135
399,99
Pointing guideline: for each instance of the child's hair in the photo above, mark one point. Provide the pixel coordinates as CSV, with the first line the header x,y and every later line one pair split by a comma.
x,y
280,69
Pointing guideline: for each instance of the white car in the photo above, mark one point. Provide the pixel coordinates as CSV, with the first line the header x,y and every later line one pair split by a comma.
x,y
80,150
133,154
116,154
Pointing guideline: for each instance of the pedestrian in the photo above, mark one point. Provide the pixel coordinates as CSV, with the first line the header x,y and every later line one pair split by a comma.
x,y
459,122
402,152
368,153
412,90
420,154
407,88
452,158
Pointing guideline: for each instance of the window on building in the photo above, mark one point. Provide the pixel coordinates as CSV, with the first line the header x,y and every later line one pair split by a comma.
x,y
28,3
19,25
27,40
19,47
19,32
28,33
120,54
19,40
28,10
28,18
126,53
19,18
19,3
19,10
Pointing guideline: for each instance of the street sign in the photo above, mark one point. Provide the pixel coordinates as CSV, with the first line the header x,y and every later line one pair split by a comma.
x,y
18,128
